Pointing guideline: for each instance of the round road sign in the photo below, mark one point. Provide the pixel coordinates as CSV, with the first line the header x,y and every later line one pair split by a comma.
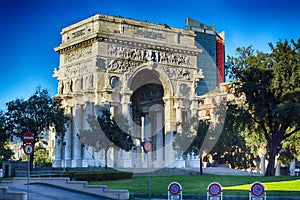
x,y
214,189
174,188
148,146
28,149
257,189
28,137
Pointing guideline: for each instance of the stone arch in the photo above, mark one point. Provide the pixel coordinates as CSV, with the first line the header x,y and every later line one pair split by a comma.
x,y
162,76
148,92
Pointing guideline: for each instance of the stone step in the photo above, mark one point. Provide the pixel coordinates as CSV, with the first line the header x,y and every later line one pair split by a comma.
x,y
6,194
82,186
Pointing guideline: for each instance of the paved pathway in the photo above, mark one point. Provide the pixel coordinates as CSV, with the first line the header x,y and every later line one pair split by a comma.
x,y
43,192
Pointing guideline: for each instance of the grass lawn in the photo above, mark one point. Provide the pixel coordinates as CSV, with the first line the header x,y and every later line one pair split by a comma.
x,y
196,184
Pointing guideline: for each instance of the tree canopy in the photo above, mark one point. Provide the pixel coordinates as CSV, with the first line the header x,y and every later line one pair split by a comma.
x,y
106,131
5,151
270,83
35,115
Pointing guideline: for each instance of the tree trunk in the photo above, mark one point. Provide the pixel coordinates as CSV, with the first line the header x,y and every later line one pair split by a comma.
x,y
105,155
201,165
273,151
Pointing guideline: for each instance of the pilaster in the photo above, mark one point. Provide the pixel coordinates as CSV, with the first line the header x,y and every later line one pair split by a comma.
x,y
77,145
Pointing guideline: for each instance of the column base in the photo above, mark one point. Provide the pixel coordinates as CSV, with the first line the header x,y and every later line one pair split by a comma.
x,y
193,163
89,163
125,163
177,164
66,163
159,164
57,163
77,163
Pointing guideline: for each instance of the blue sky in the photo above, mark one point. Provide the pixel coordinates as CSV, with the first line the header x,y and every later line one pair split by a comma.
x,y
30,29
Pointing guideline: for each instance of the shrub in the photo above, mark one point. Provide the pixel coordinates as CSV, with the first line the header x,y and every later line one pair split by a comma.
x,y
102,176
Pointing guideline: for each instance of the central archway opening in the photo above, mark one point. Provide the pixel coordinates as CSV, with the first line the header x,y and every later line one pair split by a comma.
x,y
148,113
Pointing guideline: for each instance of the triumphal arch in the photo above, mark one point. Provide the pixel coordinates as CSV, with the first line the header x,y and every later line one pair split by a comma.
x,y
148,72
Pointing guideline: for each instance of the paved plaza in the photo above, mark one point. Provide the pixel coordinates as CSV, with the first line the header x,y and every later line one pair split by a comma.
x,y
43,192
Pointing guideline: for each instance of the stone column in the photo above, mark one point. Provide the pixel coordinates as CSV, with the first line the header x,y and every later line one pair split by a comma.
x,y
169,152
262,165
142,138
277,170
87,151
67,144
125,100
292,167
147,126
148,136
78,125
126,159
159,140
58,153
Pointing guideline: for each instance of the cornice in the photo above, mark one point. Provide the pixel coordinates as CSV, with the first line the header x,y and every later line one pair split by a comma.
x,y
126,41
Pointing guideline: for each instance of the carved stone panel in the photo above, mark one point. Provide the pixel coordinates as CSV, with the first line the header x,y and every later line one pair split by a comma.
x,y
178,73
163,57
76,54
121,65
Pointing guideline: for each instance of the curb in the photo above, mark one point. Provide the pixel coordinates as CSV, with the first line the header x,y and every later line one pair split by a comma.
x,y
204,197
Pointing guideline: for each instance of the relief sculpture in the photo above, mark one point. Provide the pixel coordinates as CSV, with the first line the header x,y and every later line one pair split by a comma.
x,y
162,57
76,54
121,65
177,73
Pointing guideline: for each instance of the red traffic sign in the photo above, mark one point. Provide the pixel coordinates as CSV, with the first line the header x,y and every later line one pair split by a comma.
x,y
214,189
28,137
174,188
148,146
257,189
28,149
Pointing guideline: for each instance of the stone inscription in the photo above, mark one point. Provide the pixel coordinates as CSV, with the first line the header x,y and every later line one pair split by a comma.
x,y
78,33
162,57
76,54
150,35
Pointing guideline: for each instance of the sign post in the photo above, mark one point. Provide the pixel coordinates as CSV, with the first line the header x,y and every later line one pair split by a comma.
x,y
28,150
257,191
214,191
174,191
147,146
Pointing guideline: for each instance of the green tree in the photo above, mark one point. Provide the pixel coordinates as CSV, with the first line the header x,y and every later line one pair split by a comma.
x,y
41,157
231,147
198,140
35,115
270,83
5,152
106,132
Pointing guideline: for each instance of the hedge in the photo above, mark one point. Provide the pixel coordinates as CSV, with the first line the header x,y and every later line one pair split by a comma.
x,y
101,176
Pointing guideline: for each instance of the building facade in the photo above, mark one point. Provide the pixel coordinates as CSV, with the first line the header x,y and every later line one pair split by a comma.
x,y
212,59
147,72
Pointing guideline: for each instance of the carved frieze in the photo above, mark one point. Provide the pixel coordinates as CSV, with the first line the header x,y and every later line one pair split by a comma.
x,y
76,54
121,65
73,70
178,73
163,57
